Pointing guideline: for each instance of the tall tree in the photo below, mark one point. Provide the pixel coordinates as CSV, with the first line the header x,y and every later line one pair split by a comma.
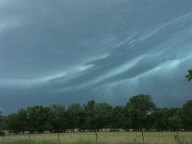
x,y
39,119
1,126
120,118
17,122
89,116
74,112
102,115
139,107
58,120
167,119
0,122
187,115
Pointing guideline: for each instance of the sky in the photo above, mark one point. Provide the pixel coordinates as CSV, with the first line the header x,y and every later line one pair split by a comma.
x,y
69,51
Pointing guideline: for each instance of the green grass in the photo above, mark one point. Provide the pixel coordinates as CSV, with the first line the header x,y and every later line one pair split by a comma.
x,y
29,142
103,138
53,142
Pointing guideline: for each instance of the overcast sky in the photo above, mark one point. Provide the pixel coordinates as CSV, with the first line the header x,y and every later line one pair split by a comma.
x,y
68,51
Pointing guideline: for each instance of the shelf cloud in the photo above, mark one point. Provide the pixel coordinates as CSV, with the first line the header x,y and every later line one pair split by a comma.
x,y
69,51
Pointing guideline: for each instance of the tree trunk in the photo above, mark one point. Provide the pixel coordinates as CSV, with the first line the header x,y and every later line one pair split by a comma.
x,y
143,135
96,136
58,137
29,137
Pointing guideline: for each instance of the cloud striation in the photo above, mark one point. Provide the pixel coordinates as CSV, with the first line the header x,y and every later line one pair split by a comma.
x,y
68,51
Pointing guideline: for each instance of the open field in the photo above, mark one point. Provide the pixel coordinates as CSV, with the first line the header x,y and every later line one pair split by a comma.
x,y
103,138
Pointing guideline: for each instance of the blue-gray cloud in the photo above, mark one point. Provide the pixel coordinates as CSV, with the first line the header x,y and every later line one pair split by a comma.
x,y
76,50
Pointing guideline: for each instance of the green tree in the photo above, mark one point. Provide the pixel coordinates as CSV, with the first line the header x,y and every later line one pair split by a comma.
x,y
167,119
89,116
1,126
175,121
58,119
187,115
0,122
120,118
140,107
74,113
39,119
17,122
189,75
97,115
102,115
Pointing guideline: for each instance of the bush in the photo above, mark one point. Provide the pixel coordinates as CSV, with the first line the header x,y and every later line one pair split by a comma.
x,y
2,133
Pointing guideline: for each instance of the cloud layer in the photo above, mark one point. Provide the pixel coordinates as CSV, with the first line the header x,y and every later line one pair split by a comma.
x,y
76,50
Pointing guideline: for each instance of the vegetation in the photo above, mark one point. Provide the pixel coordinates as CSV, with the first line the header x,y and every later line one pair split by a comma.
x,y
187,115
139,113
85,124
139,108
189,75
2,133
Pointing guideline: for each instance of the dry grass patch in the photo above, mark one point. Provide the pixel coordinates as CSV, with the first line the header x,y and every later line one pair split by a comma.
x,y
103,138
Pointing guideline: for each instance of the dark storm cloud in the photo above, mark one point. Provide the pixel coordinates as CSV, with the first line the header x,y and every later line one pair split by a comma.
x,y
69,51
49,36
148,57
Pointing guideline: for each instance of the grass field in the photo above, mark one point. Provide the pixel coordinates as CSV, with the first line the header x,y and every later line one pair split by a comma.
x,y
103,138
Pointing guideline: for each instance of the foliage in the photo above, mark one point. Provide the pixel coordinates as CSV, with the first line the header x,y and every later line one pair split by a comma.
x,y
58,118
167,119
0,121
139,108
17,121
102,115
140,112
74,113
187,115
120,118
1,131
38,119
189,75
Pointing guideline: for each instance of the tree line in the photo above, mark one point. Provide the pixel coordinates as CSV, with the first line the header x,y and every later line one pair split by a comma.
x,y
139,112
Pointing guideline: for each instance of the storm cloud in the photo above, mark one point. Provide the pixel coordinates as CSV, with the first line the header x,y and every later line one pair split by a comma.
x,y
69,51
